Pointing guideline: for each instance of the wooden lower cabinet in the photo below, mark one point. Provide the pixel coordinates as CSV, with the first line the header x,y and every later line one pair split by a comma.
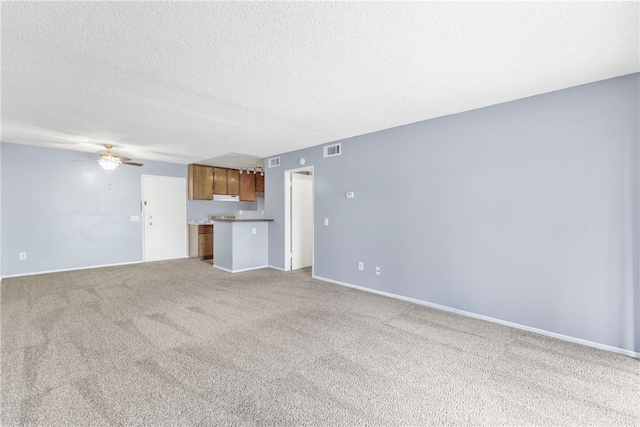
x,y
205,241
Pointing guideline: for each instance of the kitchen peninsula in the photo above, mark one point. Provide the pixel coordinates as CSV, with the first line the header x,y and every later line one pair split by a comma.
x,y
240,244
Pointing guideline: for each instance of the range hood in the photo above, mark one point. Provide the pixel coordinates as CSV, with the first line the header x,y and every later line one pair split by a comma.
x,y
224,198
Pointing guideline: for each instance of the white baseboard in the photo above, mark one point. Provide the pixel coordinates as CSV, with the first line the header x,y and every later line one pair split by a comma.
x,y
240,270
489,319
276,268
71,269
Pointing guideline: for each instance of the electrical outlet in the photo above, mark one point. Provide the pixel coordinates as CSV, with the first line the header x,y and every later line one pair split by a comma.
x,y
361,266
377,271
253,231
22,256
240,212
262,212
326,221
135,218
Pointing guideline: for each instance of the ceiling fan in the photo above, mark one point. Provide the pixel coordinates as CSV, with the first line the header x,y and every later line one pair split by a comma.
x,y
110,161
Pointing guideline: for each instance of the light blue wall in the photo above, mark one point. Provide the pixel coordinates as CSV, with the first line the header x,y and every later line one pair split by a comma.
x,y
237,248
525,212
66,214
249,249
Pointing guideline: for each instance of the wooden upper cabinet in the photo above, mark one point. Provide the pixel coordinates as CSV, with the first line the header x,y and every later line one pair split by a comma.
x,y
259,183
220,181
247,187
233,182
200,182
205,181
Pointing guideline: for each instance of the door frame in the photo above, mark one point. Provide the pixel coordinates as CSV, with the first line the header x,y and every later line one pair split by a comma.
x,y
143,213
287,216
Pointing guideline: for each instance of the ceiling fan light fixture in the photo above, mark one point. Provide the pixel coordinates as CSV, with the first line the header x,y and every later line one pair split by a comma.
x,y
109,163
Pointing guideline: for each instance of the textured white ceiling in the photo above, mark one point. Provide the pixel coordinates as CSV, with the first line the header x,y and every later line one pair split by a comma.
x,y
188,81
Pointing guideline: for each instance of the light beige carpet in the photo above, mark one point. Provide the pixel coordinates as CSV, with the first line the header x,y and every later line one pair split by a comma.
x,y
180,343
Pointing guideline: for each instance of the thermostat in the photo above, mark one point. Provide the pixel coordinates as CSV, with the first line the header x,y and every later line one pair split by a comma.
x,y
349,194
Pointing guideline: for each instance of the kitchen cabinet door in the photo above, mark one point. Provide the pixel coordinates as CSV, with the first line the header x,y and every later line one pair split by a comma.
x,y
233,182
247,187
200,182
259,183
205,241
205,246
220,181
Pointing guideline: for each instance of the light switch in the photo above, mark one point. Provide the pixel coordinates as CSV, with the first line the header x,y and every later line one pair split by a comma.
x,y
326,221
135,218
253,230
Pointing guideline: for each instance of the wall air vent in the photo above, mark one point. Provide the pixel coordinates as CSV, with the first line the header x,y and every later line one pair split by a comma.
x,y
274,162
331,150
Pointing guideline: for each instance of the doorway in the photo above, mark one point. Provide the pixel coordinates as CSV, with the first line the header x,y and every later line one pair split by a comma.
x,y
164,209
298,224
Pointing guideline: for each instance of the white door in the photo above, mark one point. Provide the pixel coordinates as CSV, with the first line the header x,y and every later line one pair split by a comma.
x,y
164,202
301,220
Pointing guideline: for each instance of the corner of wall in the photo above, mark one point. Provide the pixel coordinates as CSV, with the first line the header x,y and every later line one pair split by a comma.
x,y
0,211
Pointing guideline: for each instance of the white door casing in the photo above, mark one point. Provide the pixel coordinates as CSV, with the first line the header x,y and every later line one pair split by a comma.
x,y
301,220
287,229
164,204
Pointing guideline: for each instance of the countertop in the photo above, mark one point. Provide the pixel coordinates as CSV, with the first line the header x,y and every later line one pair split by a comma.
x,y
210,221
243,220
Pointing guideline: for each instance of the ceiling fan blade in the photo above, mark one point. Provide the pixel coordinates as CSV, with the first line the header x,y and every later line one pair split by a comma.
x,y
83,160
132,163
125,159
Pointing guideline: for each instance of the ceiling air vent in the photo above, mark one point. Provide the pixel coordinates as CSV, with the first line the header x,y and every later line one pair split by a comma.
x,y
331,150
274,162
